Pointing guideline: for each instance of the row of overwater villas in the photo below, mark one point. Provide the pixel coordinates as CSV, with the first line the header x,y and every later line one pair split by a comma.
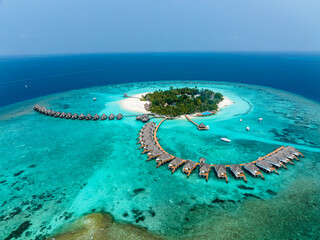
x,y
269,163
73,116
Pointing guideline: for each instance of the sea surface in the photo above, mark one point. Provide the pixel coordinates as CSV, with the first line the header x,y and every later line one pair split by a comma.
x,y
53,171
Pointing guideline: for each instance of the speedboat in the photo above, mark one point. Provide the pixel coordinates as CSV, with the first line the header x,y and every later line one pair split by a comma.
x,y
225,140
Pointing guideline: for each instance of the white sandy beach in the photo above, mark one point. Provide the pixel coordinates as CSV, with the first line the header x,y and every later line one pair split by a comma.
x,y
133,104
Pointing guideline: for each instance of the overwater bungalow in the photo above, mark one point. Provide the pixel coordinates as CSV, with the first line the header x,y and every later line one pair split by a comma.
x,y
57,114
175,163
286,153
48,112
145,118
274,161
293,150
96,117
52,113
63,115
252,169
163,159
138,118
189,167
204,170
69,115
103,117
36,107
282,157
221,171
237,171
266,166
75,116
82,116
119,116
89,116
111,116
154,154
201,126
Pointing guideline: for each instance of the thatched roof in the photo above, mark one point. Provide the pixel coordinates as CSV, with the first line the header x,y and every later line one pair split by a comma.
x,y
82,116
111,116
96,117
251,168
236,169
119,116
89,116
104,117
201,125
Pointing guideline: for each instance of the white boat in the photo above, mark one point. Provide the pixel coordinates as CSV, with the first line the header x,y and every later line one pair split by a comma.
x,y
225,140
248,128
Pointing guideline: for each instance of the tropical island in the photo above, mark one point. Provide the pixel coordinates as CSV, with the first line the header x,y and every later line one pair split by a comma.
x,y
178,101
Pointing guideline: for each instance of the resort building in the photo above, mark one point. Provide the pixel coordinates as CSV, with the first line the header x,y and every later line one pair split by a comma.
x,y
253,169
111,116
221,171
189,167
175,163
237,172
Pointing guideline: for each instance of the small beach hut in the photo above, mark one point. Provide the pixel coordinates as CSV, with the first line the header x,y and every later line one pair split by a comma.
x,y
89,116
82,116
221,171
75,116
119,116
103,117
111,116
96,117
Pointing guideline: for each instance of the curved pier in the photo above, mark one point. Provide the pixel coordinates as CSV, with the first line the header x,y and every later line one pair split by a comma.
x,y
269,163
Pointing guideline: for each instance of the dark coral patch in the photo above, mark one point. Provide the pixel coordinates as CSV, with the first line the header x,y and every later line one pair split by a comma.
x,y
18,173
244,187
19,231
138,190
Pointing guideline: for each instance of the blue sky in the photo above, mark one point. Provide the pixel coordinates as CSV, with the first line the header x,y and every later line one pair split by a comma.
x,y
32,27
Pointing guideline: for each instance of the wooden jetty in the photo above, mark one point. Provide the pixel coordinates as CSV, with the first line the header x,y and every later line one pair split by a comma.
x,y
200,126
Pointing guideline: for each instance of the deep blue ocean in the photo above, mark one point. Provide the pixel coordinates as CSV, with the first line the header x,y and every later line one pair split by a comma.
x,y
23,78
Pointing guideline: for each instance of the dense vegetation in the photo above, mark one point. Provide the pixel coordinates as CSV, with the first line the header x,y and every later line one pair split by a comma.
x,y
179,101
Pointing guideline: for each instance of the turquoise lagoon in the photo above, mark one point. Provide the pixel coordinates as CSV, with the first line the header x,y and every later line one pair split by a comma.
x,y
54,171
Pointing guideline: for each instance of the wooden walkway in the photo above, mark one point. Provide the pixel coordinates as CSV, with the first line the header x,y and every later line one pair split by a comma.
x,y
241,175
189,119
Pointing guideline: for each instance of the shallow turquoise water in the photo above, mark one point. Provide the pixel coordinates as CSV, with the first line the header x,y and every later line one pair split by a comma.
x,y
55,170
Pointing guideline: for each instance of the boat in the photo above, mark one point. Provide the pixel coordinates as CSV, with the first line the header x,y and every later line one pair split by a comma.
x,y
225,140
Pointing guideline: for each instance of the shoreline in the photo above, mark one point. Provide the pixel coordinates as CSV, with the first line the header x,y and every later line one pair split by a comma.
x,y
133,104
